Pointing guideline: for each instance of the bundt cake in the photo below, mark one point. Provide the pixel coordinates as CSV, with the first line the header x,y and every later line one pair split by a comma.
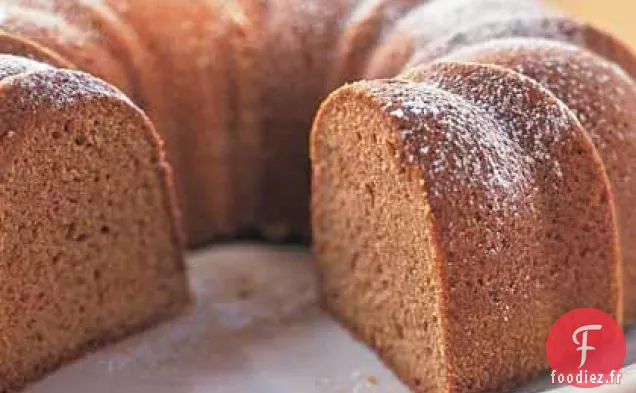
x,y
90,246
477,181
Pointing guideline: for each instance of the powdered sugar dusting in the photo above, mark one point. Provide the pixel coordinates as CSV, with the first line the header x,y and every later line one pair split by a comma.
x,y
478,180
601,95
384,12
233,10
459,142
538,123
73,13
435,19
590,86
14,65
539,132
51,88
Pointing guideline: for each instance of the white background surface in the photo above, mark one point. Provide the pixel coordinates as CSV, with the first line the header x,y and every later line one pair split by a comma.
x,y
254,327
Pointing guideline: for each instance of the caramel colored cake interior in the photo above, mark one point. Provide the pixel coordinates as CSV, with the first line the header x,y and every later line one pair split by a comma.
x,y
90,251
370,253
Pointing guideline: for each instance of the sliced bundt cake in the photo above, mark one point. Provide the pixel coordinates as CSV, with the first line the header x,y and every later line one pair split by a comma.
x,y
90,248
449,208
462,199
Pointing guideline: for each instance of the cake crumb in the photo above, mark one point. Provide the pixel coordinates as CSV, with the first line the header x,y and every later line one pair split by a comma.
x,y
245,288
245,293
371,380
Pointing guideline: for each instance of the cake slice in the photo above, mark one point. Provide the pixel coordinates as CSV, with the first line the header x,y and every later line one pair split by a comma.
x,y
456,217
90,249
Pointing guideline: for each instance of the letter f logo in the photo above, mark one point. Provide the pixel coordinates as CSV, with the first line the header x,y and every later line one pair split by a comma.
x,y
583,344
574,330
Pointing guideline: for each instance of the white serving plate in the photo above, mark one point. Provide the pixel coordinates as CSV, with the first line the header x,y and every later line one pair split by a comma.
x,y
254,328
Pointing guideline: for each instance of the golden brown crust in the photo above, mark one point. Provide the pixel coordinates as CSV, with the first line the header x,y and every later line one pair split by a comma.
x,y
120,40
560,161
